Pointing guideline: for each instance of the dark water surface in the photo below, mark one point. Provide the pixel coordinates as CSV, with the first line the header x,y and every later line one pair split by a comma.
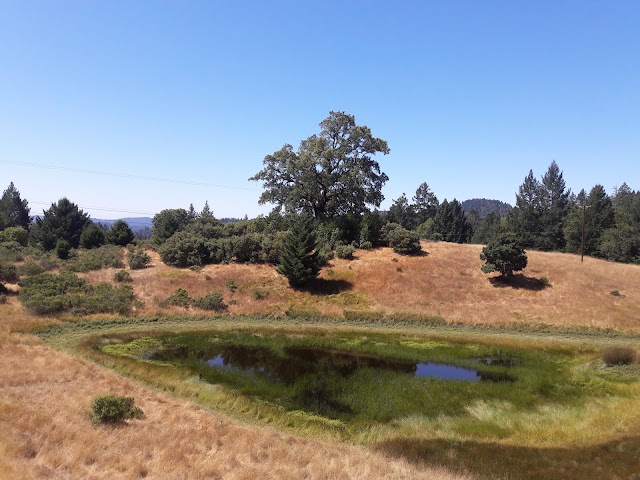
x,y
298,362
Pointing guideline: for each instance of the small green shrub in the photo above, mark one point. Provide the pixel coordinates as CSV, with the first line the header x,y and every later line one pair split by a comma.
x,y
616,293
366,245
114,409
231,286
619,356
403,241
63,249
180,298
211,301
259,294
106,256
14,234
138,258
3,299
545,281
345,252
122,276
8,273
30,268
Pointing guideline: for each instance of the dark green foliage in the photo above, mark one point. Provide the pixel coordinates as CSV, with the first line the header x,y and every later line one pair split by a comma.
x,y
331,174
345,251
425,203
299,259
487,228
137,258
180,298
3,297
106,256
371,228
402,213
15,234
247,248
185,249
554,203
63,249
8,273
231,286
403,241
112,409
120,234
524,219
598,217
450,223
14,211
168,222
272,246
211,301
366,245
504,254
48,294
62,221
92,236
122,277
486,206
31,268
619,356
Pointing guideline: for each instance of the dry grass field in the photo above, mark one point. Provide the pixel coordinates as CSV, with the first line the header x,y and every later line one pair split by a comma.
x,y
45,393
446,281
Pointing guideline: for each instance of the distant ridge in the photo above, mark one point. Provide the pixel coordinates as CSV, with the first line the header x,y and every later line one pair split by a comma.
x,y
135,223
486,206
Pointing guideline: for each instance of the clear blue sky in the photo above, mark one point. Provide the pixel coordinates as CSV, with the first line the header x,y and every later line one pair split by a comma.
x,y
469,95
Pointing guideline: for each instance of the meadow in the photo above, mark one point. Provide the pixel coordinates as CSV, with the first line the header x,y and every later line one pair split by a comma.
x,y
567,414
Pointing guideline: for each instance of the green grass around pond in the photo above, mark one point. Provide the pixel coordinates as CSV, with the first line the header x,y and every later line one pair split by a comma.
x,y
567,415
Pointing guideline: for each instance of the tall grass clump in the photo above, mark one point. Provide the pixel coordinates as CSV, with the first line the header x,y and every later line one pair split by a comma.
x,y
619,356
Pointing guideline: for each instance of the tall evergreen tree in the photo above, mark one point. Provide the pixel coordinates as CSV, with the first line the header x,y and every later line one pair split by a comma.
x,y
14,211
598,217
299,260
120,234
525,218
206,211
62,221
554,206
425,203
402,213
450,223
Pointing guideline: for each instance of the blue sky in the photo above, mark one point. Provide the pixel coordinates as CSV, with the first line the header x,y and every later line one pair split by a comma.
x,y
469,95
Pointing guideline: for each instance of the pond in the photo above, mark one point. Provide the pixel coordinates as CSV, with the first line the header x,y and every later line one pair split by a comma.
x,y
351,379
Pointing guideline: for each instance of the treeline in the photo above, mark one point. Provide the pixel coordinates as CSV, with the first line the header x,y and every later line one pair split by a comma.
x,y
547,216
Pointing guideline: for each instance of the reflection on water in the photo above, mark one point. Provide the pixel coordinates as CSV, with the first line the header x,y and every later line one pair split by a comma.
x,y
297,362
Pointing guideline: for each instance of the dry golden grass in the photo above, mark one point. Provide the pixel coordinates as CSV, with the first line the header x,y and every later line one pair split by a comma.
x,y
446,282
47,433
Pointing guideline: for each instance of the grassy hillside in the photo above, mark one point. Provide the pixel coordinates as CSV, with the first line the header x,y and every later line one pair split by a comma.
x,y
554,289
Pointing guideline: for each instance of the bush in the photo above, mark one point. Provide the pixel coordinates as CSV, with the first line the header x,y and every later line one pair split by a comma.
x,y
180,298
8,273
122,276
31,268
185,249
260,294
504,254
15,234
63,249
114,409
3,299
47,294
345,252
247,248
106,256
366,245
211,301
120,234
138,259
619,356
231,286
404,241
92,236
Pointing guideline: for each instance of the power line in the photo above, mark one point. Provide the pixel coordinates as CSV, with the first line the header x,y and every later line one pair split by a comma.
x,y
125,175
105,209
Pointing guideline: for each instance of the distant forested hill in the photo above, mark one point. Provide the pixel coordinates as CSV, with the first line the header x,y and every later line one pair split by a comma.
x,y
485,206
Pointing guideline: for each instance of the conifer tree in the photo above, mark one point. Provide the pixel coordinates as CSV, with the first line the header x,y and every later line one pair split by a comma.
x,y
14,211
120,234
554,204
299,260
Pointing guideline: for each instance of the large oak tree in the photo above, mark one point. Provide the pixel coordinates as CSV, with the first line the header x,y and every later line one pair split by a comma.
x,y
332,173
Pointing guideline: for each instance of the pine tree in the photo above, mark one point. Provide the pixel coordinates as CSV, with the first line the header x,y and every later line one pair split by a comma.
x,y
14,211
62,221
425,203
450,223
120,234
525,218
554,205
299,259
206,211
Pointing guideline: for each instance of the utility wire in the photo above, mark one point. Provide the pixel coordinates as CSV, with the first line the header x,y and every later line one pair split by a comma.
x,y
125,175
105,209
